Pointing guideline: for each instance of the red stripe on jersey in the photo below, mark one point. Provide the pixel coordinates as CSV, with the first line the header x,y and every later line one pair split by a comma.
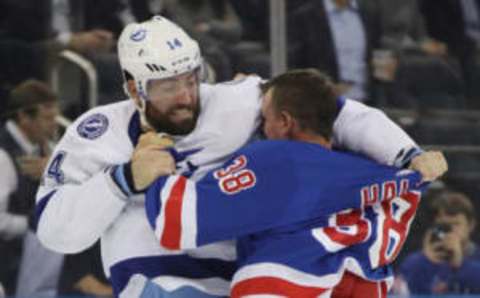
x,y
173,216
273,286
352,286
383,290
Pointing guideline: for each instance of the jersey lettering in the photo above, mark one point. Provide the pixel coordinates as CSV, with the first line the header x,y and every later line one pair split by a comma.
x,y
54,170
235,178
393,217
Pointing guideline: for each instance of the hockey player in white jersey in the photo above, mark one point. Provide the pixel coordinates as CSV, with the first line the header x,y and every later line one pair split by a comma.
x,y
87,190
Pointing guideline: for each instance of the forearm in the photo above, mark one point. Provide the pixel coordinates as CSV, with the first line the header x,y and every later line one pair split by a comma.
x,y
370,132
221,206
72,217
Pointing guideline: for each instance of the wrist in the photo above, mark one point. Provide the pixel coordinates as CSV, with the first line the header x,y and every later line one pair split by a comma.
x,y
405,156
122,176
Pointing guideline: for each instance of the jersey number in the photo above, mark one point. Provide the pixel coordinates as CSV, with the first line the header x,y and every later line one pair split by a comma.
x,y
54,170
393,219
235,177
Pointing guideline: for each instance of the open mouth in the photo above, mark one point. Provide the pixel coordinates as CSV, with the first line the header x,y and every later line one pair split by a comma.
x,y
182,113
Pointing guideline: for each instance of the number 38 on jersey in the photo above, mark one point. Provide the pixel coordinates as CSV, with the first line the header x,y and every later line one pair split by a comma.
x,y
235,177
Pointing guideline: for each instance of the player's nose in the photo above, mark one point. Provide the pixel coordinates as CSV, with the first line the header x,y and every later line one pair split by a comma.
x,y
184,96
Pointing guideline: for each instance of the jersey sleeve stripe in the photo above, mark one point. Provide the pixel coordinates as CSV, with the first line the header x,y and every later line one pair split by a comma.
x,y
283,272
189,217
171,235
273,286
40,206
281,280
161,196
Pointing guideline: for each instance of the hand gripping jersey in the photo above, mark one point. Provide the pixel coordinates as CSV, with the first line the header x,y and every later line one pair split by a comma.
x,y
276,197
78,202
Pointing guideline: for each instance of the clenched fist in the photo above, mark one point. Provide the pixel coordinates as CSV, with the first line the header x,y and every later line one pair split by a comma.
x,y
431,164
150,160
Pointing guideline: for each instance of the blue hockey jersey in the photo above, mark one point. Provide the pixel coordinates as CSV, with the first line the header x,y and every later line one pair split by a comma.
x,y
302,214
78,203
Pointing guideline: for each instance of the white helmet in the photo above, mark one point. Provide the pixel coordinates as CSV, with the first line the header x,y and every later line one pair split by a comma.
x,y
156,49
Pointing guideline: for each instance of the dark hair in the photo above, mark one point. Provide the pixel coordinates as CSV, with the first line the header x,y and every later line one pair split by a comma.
x,y
308,95
27,96
453,203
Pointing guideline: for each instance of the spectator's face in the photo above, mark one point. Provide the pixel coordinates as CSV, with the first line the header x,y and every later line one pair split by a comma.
x,y
459,223
173,105
43,126
273,127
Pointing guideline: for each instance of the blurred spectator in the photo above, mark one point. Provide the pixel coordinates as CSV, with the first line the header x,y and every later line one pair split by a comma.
x,y
82,274
254,17
46,27
143,10
425,69
24,150
214,24
404,28
251,54
84,26
337,37
461,33
449,262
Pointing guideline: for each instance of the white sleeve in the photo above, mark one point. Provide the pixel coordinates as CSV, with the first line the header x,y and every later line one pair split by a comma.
x,y
368,131
11,225
78,199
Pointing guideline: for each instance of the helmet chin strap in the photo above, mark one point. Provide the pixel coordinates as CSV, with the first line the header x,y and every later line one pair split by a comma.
x,y
141,107
142,110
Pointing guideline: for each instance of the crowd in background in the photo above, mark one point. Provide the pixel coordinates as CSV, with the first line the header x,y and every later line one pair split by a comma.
x,y
418,59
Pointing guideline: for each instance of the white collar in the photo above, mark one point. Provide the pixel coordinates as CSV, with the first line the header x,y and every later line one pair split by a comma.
x,y
22,140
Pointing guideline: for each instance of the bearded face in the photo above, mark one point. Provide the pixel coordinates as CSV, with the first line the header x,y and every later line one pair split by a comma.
x,y
173,106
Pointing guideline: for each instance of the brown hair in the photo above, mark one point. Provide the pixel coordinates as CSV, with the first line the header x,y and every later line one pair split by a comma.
x,y
308,95
27,96
453,203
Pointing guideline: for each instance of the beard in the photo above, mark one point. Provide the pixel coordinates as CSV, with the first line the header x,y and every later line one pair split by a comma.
x,y
162,122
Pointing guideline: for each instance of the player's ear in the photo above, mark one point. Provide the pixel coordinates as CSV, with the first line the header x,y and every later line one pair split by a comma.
x,y
288,122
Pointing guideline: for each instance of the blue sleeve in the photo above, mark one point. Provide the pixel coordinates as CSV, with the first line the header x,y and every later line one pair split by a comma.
x,y
266,187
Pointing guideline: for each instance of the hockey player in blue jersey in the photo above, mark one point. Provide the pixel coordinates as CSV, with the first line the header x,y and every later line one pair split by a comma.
x,y
83,197
277,198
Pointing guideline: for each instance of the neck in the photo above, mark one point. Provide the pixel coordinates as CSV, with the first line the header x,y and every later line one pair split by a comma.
x,y
312,138
26,133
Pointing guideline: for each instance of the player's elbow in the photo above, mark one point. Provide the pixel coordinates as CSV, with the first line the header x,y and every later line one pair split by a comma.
x,y
62,238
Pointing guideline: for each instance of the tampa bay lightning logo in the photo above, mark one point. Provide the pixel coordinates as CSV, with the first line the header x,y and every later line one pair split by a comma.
x,y
138,35
93,127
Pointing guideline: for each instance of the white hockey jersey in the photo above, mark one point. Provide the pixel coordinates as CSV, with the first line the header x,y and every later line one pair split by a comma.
x,y
78,203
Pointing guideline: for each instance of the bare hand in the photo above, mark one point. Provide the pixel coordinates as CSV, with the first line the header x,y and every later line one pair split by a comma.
x,y
448,249
431,164
453,245
92,41
153,138
434,251
385,68
150,160
32,166
89,284
202,27
434,48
